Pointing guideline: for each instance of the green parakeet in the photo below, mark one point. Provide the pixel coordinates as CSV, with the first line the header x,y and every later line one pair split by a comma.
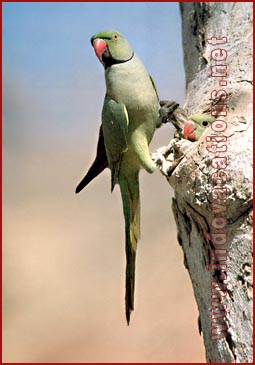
x,y
129,119
197,124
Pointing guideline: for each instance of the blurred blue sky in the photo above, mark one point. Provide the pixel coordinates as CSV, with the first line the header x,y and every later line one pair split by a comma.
x,y
51,75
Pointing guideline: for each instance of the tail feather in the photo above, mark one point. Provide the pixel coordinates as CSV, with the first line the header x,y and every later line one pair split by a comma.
x,y
131,206
99,164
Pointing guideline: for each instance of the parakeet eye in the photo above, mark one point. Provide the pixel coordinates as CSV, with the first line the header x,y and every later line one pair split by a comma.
x,y
115,37
205,123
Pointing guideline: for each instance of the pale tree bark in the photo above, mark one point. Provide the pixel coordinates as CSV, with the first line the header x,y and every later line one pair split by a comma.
x,y
212,178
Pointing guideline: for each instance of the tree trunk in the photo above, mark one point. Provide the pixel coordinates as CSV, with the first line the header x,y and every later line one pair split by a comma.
x,y
212,179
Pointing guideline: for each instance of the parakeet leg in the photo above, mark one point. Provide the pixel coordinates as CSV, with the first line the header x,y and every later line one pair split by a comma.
x,y
129,187
141,148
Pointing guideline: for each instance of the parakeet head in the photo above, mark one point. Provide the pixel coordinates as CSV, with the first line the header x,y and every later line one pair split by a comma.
x,y
195,127
111,48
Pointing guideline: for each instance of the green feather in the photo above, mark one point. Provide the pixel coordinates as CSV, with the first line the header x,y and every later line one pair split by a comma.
x,y
129,120
118,46
129,187
115,129
202,122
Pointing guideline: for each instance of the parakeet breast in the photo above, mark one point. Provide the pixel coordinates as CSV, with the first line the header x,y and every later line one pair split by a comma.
x,y
129,83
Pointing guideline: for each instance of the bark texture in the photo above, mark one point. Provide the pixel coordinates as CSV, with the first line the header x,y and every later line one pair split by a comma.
x,y
197,172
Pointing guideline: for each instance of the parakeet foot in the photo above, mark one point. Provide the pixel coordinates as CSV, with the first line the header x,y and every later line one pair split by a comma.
x,y
167,158
159,159
166,110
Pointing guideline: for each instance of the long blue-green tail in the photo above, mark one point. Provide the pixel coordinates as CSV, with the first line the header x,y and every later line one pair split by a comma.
x,y
129,187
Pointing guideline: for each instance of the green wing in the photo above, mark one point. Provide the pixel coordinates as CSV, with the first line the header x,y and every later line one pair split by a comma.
x,y
115,129
154,86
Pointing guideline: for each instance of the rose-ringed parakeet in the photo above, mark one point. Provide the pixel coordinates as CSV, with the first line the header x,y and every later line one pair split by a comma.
x,y
196,125
129,119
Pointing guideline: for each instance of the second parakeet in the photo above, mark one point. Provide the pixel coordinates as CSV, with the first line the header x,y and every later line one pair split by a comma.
x,y
129,119
196,125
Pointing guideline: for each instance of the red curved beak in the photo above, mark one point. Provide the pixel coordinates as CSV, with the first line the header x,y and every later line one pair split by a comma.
x,y
99,46
189,131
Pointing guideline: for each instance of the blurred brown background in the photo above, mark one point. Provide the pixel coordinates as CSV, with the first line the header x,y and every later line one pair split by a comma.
x,y
63,254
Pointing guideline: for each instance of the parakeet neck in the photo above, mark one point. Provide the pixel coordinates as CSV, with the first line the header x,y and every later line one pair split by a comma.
x,y
109,61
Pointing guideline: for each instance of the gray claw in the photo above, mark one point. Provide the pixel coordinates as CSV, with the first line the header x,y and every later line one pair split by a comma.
x,y
166,110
